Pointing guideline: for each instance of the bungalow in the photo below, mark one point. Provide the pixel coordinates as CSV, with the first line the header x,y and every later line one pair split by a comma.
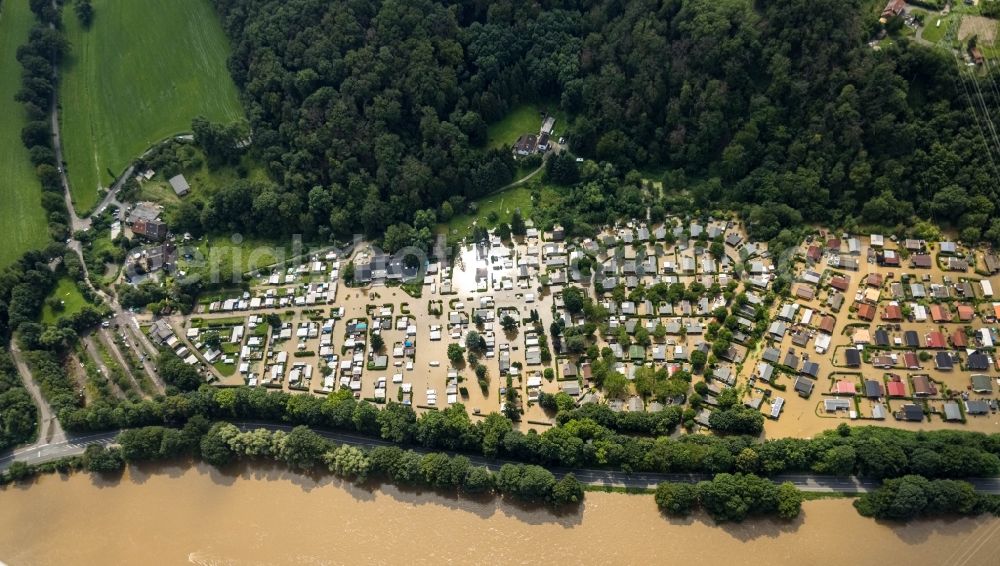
x,y
150,229
976,407
935,339
833,244
921,261
765,371
896,388
811,369
840,283
873,389
526,144
866,312
992,261
889,258
922,386
814,254
982,384
957,264
791,360
805,292
892,313
911,412
877,240
940,313
874,280
966,313
977,361
949,248
804,386
882,337
771,355
951,411
892,9
911,361
943,361
913,245
852,357
883,361
959,339
180,185
826,324
845,387
834,405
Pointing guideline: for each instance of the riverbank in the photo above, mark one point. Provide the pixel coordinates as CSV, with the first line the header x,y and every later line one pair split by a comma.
x,y
199,515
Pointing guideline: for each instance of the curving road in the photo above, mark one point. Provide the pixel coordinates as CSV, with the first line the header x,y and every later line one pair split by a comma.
x,y
593,477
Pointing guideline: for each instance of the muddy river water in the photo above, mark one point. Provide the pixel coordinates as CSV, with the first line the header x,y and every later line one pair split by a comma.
x,y
196,515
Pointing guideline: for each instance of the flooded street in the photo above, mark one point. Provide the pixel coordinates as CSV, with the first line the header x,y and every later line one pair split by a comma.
x,y
199,516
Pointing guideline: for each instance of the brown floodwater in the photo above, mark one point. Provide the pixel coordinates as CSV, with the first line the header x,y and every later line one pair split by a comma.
x,y
197,515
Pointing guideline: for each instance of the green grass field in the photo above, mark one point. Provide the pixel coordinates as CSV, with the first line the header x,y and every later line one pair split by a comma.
x,y
138,75
22,219
503,203
73,302
933,32
523,119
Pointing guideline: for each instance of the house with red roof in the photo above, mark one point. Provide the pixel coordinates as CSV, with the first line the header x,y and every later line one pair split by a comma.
x,y
896,388
866,312
911,361
966,313
845,387
814,253
874,280
840,283
827,324
935,340
959,339
940,313
892,313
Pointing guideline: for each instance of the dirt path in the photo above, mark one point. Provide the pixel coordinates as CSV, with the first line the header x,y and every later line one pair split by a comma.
x,y
49,429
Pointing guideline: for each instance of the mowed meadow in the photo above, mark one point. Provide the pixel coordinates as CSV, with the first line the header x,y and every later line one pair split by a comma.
x,y
139,74
22,219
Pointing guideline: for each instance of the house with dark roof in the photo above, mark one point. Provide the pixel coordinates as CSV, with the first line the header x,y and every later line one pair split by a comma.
x,y
873,389
804,386
882,337
911,412
810,368
852,357
943,361
155,230
982,384
923,386
911,339
977,361
976,407
920,261
951,411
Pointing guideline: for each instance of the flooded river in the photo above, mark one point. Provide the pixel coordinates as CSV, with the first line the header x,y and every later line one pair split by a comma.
x,y
199,516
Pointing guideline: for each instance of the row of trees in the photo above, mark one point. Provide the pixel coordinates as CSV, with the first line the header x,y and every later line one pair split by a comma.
x,y
873,452
39,57
18,414
303,450
730,497
912,496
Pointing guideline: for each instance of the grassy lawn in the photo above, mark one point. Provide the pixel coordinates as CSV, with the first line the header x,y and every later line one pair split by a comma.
x,y
934,32
503,203
219,253
73,301
523,119
204,181
22,220
140,74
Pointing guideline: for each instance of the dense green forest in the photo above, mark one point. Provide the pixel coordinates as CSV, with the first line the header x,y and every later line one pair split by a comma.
x,y
365,112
